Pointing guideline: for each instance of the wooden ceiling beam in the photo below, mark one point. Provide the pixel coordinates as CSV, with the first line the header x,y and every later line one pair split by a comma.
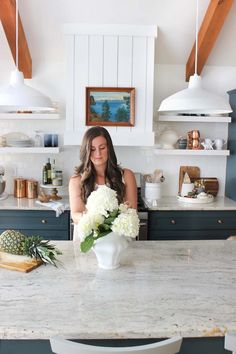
x,y
211,25
8,18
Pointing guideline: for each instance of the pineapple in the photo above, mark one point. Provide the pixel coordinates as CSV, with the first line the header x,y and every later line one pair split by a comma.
x,y
15,242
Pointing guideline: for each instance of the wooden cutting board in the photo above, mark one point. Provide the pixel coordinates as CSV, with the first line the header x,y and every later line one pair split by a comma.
x,y
19,263
192,171
211,184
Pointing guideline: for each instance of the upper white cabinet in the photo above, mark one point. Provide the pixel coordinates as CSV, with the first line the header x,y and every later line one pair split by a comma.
x,y
110,56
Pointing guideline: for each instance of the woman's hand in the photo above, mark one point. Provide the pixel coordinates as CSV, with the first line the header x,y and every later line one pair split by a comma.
x,y
128,204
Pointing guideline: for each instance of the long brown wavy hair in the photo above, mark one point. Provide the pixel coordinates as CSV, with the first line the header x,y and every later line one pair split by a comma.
x,y
113,173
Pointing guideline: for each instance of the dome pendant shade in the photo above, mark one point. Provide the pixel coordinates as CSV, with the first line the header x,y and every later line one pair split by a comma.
x,y
17,96
195,100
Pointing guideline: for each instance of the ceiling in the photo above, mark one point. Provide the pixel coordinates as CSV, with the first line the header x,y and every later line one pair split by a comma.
x,y
43,24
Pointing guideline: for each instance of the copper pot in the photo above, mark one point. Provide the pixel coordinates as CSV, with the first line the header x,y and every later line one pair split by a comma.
x,y
31,188
19,187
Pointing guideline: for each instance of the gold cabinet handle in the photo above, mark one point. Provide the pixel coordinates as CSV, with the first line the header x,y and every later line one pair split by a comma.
x,y
173,222
44,221
220,221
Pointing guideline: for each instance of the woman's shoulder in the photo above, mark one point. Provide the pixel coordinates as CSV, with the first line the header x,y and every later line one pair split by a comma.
x,y
128,175
127,172
75,179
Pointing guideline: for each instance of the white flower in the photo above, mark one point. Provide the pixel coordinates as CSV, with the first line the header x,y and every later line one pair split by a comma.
x,y
89,223
123,208
126,224
102,201
103,215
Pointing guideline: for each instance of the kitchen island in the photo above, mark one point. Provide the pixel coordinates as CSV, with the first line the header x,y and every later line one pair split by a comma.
x,y
162,289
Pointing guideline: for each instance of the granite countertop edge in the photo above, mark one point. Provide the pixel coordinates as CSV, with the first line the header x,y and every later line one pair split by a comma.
x,y
167,203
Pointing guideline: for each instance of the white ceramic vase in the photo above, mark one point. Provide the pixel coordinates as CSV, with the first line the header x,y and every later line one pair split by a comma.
x,y
108,250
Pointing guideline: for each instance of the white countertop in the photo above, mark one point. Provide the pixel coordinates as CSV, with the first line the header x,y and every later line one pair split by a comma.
x,y
166,203
172,203
12,203
162,289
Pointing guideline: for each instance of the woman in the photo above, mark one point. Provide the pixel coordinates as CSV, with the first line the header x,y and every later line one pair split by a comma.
x,y
98,167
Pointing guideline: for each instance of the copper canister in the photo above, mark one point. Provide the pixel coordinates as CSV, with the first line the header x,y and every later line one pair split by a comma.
x,y
19,188
31,188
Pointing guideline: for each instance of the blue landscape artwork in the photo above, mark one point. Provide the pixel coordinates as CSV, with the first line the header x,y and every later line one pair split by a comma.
x,y
110,107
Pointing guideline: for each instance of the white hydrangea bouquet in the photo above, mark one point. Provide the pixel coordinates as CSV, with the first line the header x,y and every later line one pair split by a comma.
x,y
104,215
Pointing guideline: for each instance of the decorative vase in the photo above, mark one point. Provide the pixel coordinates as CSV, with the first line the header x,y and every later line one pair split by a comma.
x,y
108,250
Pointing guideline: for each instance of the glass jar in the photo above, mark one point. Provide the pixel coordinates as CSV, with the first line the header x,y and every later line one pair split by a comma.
x,y
38,139
57,181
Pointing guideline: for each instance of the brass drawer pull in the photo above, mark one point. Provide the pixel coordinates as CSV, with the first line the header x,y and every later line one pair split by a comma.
x,y
173,222
44,221
220,221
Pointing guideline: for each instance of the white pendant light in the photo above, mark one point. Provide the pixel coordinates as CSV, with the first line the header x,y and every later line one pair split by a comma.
x,y
195,99
17,96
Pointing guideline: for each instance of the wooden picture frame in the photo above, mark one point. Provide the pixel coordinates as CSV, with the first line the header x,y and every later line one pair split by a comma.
x,y
110,106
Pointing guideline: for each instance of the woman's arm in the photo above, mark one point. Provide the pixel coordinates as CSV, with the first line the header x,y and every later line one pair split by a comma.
x,y
76,203
130,188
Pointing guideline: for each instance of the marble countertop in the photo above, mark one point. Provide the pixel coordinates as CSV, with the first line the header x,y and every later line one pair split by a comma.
x,y
166,203
172,203
162,289
12,203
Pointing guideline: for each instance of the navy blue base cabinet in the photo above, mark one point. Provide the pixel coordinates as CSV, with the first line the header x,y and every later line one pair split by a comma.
x,y
190,345
37,222
191,225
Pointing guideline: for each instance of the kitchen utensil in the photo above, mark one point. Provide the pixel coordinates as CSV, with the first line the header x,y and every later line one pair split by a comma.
x,y
3,194
19,188
207,144
147,178
31,188
168,139
194,140
193,172
211,184
19,263
153,191
157,175
182,143
186,188
17,139
219,143
187,200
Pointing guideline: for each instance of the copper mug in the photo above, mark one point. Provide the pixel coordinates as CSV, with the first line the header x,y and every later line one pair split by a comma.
x,y
31,188
19,188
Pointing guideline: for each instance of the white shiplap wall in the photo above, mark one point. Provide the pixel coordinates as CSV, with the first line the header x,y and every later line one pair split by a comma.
x,y
110,56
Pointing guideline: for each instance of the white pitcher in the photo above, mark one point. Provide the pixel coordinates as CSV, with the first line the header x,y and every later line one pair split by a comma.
x,y
219,143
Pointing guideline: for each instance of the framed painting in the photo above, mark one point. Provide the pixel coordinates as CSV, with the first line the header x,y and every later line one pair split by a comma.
x,y
110,106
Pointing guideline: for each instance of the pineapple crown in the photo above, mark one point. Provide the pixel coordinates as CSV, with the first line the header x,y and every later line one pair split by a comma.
x,y
38,248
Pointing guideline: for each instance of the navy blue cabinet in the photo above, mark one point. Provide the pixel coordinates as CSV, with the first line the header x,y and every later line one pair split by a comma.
x,y
37,222
191,225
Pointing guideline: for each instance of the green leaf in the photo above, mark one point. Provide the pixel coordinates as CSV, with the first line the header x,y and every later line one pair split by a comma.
x,y
109,220
87,244
106,227
104,233
114,213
